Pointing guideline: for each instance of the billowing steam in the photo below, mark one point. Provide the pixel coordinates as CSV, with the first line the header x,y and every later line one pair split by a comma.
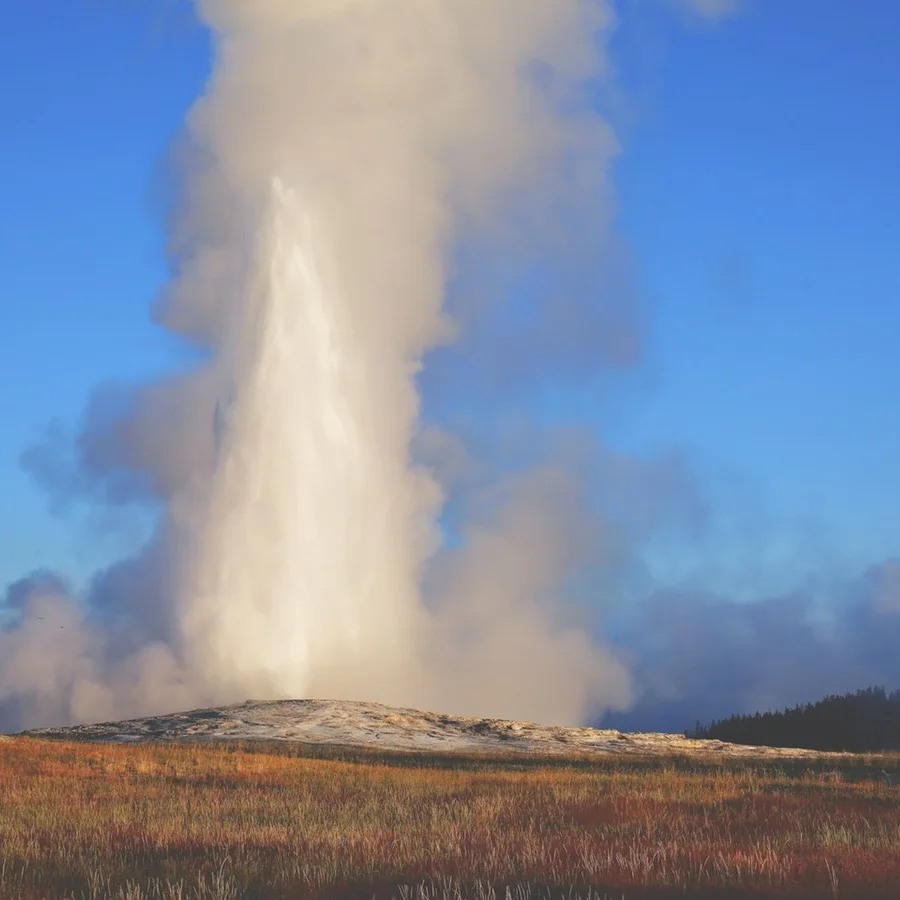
x,y
341,152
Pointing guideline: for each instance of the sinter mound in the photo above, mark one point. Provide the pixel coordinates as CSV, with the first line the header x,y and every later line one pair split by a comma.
x,y
372,725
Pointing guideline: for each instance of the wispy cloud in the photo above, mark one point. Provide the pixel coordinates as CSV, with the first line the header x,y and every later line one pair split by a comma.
x,y
698,655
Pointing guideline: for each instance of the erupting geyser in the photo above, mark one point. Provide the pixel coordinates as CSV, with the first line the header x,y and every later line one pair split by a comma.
x,y
339,153
303,573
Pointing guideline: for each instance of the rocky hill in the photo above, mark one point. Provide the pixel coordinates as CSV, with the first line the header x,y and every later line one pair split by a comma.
x,y
372,725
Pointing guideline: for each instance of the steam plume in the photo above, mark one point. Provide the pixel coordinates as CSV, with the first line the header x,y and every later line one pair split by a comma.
x,y
341,150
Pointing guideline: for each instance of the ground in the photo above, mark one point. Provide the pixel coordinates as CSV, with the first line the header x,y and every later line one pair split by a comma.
x,y
302,801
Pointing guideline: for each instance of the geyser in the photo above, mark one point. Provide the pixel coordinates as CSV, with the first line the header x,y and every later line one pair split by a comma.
x,y
303,568
340,152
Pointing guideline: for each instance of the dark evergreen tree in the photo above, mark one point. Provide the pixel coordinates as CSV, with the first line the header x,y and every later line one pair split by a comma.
x,y
867,721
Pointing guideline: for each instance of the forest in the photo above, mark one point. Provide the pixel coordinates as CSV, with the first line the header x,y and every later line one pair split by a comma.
x,y
867,721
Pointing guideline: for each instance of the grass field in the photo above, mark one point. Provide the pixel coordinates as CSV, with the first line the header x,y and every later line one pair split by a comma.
x,y
229,821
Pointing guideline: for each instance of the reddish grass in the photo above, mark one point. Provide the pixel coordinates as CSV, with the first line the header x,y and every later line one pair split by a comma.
x,y
142,821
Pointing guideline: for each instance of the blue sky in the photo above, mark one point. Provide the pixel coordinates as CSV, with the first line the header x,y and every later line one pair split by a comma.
x,y
759,198
91,95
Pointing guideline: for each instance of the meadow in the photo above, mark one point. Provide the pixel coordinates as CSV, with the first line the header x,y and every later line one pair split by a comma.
x,y
168,821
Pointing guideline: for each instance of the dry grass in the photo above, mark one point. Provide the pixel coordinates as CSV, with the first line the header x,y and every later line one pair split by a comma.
x,y
216,821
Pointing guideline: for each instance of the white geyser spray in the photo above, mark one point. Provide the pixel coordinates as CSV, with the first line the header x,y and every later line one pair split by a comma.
x,y
341,149
304,557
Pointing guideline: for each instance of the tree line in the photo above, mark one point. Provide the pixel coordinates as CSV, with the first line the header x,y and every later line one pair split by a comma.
x,y
866,721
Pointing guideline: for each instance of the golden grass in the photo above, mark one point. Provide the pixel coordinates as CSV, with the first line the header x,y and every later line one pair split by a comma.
x,y
223,821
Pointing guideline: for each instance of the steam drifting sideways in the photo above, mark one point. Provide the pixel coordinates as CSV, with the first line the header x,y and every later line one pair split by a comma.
x,y
342,151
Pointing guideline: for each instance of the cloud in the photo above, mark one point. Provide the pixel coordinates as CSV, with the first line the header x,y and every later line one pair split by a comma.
x,y
60,664
511,622
697,655
348,164
546,528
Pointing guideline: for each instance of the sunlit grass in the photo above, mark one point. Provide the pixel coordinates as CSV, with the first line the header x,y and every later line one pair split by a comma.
x,y
176,821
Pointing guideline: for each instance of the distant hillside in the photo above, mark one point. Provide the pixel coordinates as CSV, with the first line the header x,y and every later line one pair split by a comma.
x,y
867,721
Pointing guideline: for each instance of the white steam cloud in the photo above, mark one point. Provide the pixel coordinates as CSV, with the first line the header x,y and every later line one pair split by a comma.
x,y
341,151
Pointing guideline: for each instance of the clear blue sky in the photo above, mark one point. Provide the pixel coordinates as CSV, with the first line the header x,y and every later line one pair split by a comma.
x,y
760,197
761,193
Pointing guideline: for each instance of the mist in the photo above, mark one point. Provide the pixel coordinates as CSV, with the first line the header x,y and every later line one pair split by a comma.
x,y
342,157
